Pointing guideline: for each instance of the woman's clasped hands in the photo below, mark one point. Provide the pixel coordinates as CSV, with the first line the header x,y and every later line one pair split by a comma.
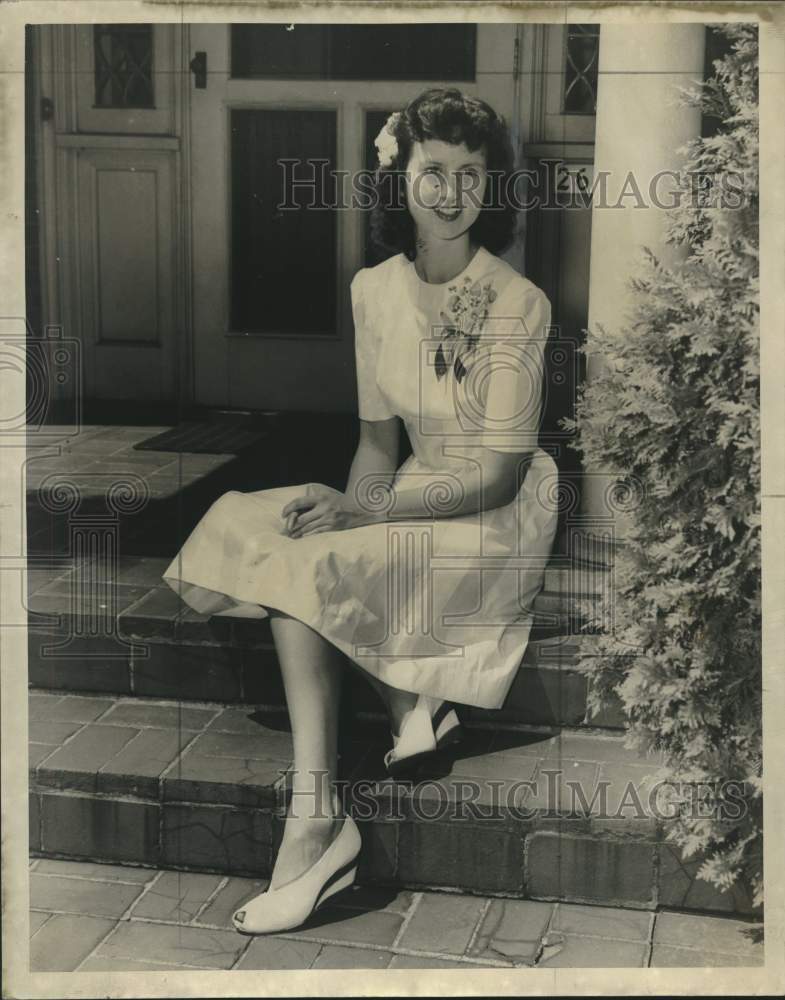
x,y
324,511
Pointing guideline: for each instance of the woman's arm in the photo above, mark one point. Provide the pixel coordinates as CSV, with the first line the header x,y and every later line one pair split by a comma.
x,y
370,497
370,476
492,480
376,456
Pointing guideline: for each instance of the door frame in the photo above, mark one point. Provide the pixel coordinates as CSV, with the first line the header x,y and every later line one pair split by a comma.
x,y
54,67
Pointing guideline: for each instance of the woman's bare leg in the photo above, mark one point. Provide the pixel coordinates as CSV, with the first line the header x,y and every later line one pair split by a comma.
x,y
312,669
396,701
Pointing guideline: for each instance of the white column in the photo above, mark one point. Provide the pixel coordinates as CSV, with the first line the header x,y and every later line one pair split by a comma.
x,y
639,128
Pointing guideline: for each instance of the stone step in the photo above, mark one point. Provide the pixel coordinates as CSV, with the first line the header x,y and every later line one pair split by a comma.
x,y
150,643
507,813
590,546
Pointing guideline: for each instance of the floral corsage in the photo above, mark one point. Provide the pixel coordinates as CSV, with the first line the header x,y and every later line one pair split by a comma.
x,y
467,311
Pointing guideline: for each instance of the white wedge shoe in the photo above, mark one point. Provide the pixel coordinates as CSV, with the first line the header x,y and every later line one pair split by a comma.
x,y
431,725
290,905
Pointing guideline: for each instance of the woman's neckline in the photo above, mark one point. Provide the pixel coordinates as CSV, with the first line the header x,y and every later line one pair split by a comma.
x,y
443,284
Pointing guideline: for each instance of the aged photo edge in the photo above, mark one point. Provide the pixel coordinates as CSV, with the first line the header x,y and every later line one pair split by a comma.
x,y
767,980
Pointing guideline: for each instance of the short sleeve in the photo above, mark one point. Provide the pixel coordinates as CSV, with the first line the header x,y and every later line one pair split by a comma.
x,y
370,401
513,370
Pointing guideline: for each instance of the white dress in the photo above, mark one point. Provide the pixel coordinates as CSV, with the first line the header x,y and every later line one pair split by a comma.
x,y
441,606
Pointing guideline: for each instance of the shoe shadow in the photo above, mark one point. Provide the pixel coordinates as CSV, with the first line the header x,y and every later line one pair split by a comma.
x,y
271,718
371,767
350,904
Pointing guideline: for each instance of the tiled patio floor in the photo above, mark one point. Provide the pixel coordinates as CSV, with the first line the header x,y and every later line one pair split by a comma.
x,y
91,917
157,496
97,453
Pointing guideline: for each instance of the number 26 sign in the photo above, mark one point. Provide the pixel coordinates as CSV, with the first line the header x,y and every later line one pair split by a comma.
x,y
574,178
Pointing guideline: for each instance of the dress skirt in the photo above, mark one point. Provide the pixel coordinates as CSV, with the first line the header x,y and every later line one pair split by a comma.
x,y
442,607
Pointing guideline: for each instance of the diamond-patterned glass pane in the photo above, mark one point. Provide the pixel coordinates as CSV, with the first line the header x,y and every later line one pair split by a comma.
x,y
123,65
580,71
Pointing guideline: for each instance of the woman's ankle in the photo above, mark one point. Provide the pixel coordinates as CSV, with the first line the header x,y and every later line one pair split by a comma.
x,y
321,806
303,843
306,827
399,706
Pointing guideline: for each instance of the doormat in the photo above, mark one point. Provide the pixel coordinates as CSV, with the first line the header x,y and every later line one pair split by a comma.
x,y
206,437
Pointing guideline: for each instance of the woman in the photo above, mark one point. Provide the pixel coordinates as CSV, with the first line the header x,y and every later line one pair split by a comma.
x,y
423,576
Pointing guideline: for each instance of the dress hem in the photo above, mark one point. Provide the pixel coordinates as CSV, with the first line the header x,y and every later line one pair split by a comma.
x,y
238,608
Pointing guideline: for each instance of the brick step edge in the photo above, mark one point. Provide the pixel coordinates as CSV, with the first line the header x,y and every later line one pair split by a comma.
x,y
575,864
548,689
157,614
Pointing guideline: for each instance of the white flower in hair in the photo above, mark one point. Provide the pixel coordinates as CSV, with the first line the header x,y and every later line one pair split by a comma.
x,y
385,142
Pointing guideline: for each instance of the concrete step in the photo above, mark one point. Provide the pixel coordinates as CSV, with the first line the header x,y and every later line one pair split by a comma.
x,y
142,639
516,813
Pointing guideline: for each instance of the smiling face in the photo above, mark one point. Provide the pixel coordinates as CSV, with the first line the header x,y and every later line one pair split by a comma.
x,y
445,186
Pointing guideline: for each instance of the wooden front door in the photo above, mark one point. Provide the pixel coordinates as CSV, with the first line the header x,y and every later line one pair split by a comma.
x,y
106,125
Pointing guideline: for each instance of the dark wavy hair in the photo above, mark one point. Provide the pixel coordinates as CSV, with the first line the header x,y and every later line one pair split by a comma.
x,y
447,114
